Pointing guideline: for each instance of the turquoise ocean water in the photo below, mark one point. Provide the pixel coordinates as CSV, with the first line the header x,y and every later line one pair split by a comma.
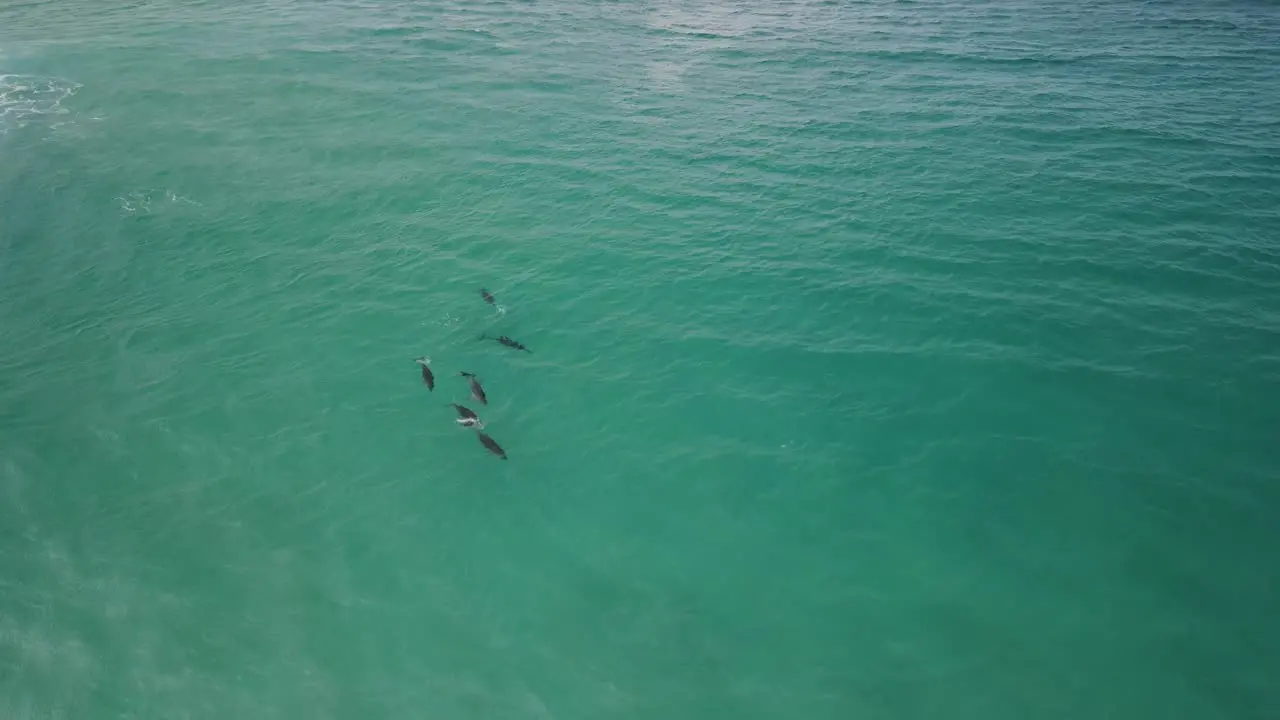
x,y
890,360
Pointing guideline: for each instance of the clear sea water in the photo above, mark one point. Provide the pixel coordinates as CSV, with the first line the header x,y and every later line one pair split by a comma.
x,y
890,360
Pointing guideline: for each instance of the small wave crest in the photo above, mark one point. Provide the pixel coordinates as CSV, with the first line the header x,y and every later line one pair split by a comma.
x,y
25,98
147,202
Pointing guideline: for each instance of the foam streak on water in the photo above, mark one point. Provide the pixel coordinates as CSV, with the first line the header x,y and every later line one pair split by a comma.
x,y
890,360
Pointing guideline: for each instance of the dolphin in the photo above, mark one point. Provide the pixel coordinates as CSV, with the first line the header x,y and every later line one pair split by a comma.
x,y
488,297
508,342
427,377
466,416
476,391
493,446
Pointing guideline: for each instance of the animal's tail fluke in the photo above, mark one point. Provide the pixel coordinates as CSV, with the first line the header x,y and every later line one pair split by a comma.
x,y
464,373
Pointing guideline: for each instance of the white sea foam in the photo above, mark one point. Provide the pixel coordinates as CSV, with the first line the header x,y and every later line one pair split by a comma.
x,y
447,321
26,98
144,202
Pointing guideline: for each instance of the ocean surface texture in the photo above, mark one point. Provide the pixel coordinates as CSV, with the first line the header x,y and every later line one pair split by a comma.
x,y
890,360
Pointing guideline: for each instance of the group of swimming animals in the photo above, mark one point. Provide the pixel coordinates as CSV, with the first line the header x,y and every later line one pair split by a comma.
x,y
466,416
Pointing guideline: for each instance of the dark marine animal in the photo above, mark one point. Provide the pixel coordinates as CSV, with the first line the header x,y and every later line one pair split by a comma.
x,y
477,392
508,342
427,377
488,297
466,416
491,445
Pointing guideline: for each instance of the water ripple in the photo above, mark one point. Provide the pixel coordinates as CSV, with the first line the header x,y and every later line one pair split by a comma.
x,y
922,325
